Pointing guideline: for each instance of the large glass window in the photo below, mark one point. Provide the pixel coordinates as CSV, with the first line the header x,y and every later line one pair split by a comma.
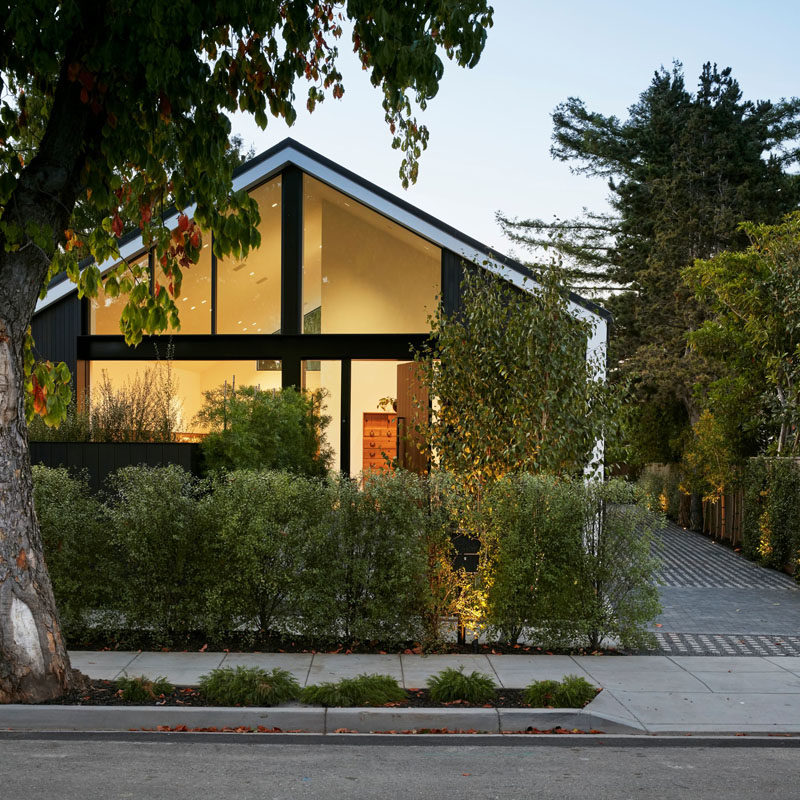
x,y
194,303
188,379
249,289
104,311
363,273
327,376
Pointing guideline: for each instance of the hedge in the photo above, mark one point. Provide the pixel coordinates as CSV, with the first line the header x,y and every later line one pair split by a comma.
x,y
771,512
164,556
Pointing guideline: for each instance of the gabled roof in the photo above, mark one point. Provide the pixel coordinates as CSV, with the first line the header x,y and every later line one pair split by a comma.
x,y
289,152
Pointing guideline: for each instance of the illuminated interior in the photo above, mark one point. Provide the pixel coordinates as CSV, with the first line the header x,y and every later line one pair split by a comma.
x,y
366,273
327,375
104,311
194,302
249,289
192,378
372,382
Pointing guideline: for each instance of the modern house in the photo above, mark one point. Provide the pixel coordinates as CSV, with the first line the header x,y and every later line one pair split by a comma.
x,y
337,296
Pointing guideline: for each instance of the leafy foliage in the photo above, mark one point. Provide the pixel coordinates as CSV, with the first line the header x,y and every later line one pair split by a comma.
x,y
75,541
364,690
683,169
131,131
251,429
514,390
771,518
249,686
270,532
369,584
753,333
159,541
573,691
568,563
454,684
140,689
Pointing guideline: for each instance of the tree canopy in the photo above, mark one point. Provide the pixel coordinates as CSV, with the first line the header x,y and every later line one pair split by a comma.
x,y
683,170
113,112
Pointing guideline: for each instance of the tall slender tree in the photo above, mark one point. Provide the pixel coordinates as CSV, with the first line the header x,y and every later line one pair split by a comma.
x,y
683,170
124,105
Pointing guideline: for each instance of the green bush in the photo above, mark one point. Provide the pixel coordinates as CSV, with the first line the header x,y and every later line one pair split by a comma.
x,y
252,429
143,690
451,684
572,691
660,485
568,562
368,583
75,427
76,546
248,686
541,694
160,544
269,530
771,518
365,690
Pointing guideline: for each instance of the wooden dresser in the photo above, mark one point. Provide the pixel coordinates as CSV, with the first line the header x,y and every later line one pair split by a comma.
x,y
380,440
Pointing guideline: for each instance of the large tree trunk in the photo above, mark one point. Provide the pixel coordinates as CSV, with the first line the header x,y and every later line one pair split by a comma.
x,y
33,660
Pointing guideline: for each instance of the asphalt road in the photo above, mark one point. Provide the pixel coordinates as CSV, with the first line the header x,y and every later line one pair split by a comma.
x,y
92,770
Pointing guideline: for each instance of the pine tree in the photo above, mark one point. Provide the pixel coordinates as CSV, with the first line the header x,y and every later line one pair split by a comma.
x,y
683,170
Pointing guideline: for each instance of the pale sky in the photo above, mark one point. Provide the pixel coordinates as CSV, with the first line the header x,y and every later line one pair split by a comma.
x,y
491,127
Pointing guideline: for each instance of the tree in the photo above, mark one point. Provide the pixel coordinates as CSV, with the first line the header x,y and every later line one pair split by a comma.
x,y
513,388
683,170
110,114
753,333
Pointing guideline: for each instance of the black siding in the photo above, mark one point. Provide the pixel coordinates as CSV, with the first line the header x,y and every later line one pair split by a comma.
x,y
56,329
100,459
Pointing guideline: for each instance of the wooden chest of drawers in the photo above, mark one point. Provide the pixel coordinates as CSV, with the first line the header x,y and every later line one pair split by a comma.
x,y
379,440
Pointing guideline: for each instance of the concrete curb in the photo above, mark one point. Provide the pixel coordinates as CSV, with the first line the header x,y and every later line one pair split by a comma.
x,y
305,719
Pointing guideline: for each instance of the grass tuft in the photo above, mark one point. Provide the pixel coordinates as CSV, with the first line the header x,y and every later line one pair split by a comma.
x,y
365,690
452,684
571,692
140,689
249,686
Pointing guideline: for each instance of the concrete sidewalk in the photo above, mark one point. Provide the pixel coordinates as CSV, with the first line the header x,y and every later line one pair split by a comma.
x,y
646,694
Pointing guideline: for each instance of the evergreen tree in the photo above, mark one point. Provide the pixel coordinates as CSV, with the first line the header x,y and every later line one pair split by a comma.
x,y
683,170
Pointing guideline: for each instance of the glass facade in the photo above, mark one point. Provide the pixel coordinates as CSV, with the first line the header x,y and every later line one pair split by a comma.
x,y
363,273
327,376
104,311
190,379
249,289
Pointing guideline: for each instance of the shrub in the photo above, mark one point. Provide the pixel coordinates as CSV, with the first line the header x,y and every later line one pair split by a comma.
x,y
532,554
248,686
365,690
453,684
369,581
75,427
144,409
269,529
660,485
572,691
159,539
569,563
252,429
541,694
143,690
771,520
75,545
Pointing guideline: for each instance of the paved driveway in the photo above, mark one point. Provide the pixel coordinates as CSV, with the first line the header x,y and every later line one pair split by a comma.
x,y
718,603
